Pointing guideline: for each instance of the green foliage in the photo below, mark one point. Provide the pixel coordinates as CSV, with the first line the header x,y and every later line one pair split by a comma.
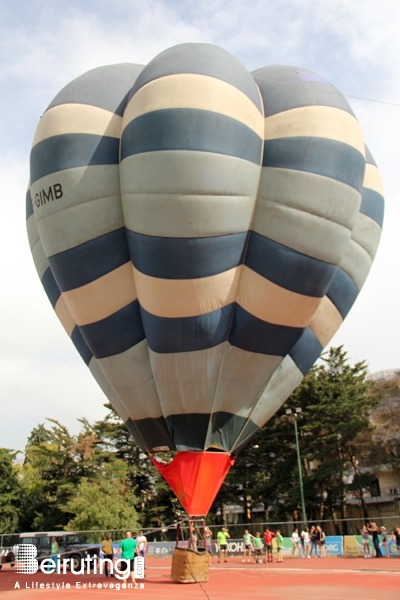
x,y
156,503
55,462
103,503
335,401
10,492
384,440
100,479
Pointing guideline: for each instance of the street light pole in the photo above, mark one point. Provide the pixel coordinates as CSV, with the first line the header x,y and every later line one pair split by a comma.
x,y
303,506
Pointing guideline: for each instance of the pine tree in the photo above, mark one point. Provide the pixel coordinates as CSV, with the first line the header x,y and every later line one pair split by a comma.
x,y
335,401
10,492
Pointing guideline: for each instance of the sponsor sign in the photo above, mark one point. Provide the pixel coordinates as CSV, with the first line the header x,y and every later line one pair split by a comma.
x,y
334,545
161,549
353,546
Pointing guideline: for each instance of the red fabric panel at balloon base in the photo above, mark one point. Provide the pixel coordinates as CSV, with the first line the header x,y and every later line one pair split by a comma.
x,y
196,477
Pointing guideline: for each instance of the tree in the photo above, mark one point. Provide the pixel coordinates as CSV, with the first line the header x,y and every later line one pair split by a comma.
x,y
104,503
156,504
101,478
336,400
384,440
56,463
10,492
61,470
33,500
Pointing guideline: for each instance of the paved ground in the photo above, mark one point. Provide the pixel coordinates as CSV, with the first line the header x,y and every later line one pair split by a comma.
x,y
330,578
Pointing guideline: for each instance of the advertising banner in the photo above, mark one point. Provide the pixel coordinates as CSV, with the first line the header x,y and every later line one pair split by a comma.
x,y
334,546
353,546
161,549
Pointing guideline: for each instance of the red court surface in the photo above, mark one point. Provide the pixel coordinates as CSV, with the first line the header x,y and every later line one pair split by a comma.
x,y
329,578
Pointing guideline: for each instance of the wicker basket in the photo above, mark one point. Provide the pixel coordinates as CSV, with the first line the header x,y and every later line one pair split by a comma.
x,y
190,566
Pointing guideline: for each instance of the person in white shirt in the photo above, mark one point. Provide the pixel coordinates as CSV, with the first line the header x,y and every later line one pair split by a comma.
x,y
296,543
142,543
305,535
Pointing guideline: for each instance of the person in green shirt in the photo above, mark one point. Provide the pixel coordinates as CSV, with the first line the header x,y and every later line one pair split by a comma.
x,y
223,537
258,546
128,548
54,552
279,545
247,537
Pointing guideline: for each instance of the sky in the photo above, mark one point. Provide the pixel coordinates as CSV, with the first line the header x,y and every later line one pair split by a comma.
x,y
44,44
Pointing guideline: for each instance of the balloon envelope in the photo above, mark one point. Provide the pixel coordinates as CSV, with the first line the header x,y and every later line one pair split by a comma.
x,y
201,233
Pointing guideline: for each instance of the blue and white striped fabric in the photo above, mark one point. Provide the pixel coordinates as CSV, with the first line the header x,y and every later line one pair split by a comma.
x,y
201,233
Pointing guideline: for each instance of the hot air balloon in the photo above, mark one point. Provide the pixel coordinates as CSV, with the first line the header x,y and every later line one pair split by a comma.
x,y
201,233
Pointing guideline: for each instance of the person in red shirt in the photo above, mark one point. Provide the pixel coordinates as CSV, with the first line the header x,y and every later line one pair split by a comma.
x,y
268,535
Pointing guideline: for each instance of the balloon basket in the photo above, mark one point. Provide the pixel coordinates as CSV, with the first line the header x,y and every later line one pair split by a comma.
x,y
190,566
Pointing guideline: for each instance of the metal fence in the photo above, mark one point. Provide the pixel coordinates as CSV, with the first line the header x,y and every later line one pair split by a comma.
x,y
339,527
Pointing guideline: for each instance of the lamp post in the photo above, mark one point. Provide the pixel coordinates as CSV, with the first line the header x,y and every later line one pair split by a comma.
x,y
289,412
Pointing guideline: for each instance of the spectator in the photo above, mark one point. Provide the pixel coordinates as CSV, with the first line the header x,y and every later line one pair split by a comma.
x,y
374,532
223,537
365,541
258,546
305,536
321,542
192,537
142,543
313,540
268,535
385,541
396,537
108,554
296,543
208,540
128,549
247,539
302,541
54,552
279,545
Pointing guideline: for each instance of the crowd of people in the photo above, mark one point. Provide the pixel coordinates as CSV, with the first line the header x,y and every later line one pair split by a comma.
x,y
131,546
371,530
253,545
257,548
310,542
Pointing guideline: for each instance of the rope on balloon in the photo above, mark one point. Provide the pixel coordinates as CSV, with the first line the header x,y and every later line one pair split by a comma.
x,y
198,582
331,92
